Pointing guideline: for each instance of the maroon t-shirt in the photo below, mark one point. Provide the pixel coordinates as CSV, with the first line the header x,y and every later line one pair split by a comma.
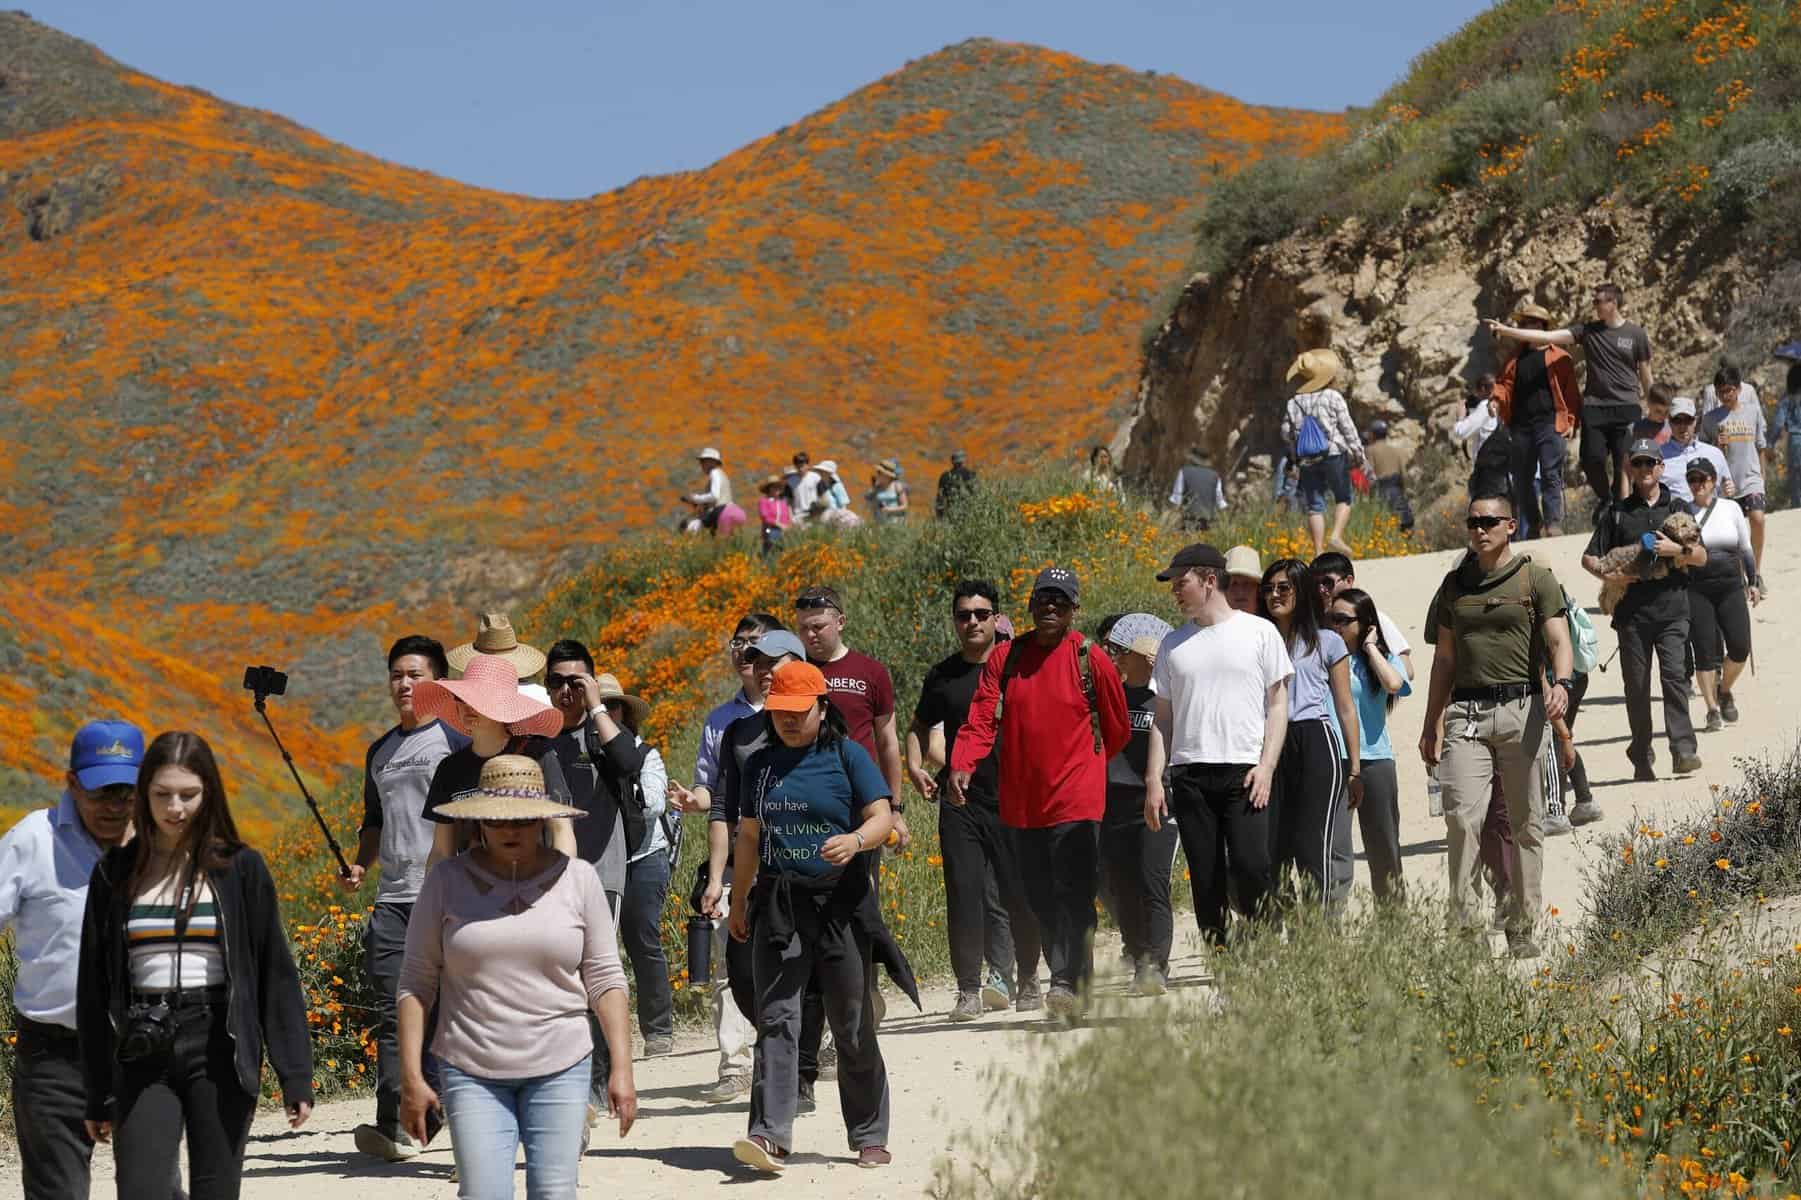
x,y
863,691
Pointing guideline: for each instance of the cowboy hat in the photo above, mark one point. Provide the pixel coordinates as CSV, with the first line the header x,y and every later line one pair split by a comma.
x,y
511,789
494,635
610,690
889,467
490,688
1532,312
1316,370
769,481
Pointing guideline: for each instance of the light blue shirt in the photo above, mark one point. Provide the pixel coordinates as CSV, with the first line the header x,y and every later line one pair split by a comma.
x,y
46,861
706,762
1372,707
653,785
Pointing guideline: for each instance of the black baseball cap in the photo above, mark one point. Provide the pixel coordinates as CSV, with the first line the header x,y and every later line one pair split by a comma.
x,y
1699,466
1198,554
1644,448
1059,579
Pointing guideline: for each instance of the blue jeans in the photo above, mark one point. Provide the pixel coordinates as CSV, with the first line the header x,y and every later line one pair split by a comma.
x,y
1538,459
489,1118
1330,474
641,937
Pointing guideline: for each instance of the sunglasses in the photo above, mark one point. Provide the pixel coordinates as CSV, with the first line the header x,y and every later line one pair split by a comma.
x,y
556,683
1484,523
809,603
1683,419
1646,463
963,615
1052,600
1698,480
1278,589
1341,619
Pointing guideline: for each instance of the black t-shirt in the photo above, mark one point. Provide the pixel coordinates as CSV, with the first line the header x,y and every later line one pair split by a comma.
x,y
461,771
742,738
1125,770
1625,523
1532,400
944,697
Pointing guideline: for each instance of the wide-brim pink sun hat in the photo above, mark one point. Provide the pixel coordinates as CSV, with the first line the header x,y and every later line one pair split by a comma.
x,y
490,687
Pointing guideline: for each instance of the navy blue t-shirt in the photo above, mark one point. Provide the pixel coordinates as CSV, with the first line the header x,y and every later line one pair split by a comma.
x,y
802,797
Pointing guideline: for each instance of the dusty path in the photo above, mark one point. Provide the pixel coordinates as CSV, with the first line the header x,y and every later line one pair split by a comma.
x,y
937,1069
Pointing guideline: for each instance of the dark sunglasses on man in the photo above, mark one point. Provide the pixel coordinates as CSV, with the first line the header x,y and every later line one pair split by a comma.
x,y
965,615
554,683
1483,522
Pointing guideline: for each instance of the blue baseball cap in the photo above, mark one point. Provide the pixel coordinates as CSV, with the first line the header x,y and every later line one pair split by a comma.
x,y
778,642
105,753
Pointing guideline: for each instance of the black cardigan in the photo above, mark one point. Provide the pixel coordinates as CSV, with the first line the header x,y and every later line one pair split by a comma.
x,y
265,1001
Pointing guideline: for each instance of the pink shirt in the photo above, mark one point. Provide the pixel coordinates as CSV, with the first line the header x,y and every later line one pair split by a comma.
x,y
774,511
515,966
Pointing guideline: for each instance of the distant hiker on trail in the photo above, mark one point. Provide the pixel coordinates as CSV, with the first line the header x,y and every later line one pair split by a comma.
x,y
1478,421
718,513
1536,397
397,774
803,487
1101,475
1785,431
1500,674
1243,577
46,862
887,494
183,924
1737,428
773,511
978,850
515,945
1617,355
1052,692
1317,426
832,505
953,483
1198,493
1719,597
1685,448
1136,860
1221,717
815,802
1388,472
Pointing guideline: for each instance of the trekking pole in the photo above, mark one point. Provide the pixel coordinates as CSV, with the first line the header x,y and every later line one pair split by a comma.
x,y
1610,658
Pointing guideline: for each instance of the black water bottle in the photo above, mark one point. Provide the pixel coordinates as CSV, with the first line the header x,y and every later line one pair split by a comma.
x,y
700,949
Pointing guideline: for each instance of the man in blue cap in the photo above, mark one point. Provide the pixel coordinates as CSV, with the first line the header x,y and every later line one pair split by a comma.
x,y
45,862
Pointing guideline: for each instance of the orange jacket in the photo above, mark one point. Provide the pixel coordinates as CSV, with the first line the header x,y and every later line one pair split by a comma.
x,y
1565,395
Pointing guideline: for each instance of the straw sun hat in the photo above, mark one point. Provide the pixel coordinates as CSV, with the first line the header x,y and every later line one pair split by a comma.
x,y
610,690
494,635
1316,370
489,687
511,789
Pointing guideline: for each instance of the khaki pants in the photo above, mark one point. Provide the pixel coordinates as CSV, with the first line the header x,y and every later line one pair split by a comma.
x,y
1484,739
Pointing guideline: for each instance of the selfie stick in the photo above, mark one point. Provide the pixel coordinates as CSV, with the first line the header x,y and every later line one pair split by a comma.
x,y
263,712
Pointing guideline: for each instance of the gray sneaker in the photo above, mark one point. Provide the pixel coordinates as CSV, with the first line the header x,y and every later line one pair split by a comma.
x,y
1556,826
1149,981
1030,999
996,996
397,1147
1687,764
729,1087
1728,707
1060,1004
967,1008
1715,722
659,1045
1585,813
1521,945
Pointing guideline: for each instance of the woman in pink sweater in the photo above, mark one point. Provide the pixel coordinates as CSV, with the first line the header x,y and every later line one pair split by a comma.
x,y
515,943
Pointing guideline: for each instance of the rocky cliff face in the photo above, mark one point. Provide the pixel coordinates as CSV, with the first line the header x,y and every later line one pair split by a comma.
x,y
1402,307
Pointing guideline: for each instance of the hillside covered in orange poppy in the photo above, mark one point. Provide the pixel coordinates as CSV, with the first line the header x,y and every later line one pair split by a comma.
x,y
269,399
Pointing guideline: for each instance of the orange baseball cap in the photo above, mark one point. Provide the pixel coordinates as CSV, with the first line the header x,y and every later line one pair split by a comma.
x,y
795,687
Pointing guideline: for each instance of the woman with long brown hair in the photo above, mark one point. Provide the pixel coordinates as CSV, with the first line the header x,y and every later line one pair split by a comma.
x,y
185,978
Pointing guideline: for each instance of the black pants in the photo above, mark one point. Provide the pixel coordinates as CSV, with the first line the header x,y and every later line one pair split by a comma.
x,y
384,946
740,976
1221,833
48,1104
979,861
1136,864
1719,619
1640,638
1392,491
1605,437
193,1089
832,951
1061,866
641,938
1577,775
1308,800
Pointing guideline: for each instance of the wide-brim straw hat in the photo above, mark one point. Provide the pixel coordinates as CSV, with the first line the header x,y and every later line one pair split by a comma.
x,y
511,789
772,481
889,467
610,690
494,635
489,687
1316,370
1533,312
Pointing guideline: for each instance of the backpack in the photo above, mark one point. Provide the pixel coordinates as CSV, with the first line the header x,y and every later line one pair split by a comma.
x,y
1493,467
1585,647
1010,668
1310,441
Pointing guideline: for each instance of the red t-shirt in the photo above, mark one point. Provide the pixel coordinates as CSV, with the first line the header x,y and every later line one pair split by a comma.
x,y
1049,770
863,692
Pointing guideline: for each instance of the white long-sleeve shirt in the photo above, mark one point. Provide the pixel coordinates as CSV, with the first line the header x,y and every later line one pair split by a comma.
x,y
653,785
719,488
1180,489
45,862
1477,423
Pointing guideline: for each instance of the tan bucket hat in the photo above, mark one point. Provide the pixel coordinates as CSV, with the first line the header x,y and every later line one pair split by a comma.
x,y
1533,312
511,789
494,635
1316,370
1243,561
610,690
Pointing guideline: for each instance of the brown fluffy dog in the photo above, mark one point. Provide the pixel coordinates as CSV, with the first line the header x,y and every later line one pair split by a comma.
x,y
1678,527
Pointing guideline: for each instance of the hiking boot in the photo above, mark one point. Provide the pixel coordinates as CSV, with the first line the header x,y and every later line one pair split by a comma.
x,y
1714,723
1030,999
659,1045
1687,764
1644,773
1587,812
1521,945
806,1102
874,1156
761,1153
1149,981
996,995
1061,1004
1556,824
1728,707
967,1008
828,1059
389,1147
729,1087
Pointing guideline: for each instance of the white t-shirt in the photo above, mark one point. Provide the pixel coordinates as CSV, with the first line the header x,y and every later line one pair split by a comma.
x,y
1391,633
1215,678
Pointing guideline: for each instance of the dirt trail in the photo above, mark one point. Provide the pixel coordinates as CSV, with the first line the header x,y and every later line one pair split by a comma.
x,y
937,1069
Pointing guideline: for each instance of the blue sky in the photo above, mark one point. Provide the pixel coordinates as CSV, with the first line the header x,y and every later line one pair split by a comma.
x,y
561,98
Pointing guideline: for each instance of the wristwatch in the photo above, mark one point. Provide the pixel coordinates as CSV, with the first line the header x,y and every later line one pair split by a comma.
x,y
1568,685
